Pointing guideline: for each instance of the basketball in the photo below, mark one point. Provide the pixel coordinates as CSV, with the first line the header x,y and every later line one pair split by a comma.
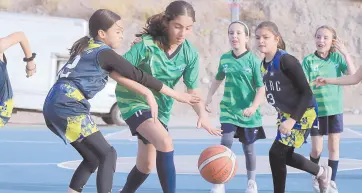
x,y
217,164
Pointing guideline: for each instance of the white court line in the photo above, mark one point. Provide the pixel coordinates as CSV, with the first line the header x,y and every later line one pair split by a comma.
x,y
27,164
354,132
217,142
132,141
115,133
70,166
28,141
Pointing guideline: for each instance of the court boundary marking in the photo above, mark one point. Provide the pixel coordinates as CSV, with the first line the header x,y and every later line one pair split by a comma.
x,y
63,165
178,141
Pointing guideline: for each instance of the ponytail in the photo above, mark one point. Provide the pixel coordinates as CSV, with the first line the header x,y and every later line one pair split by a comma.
x,y
156,27
79,46
281,43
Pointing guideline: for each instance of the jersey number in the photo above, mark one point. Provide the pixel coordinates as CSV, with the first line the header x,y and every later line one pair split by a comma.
x,y
270,98
68,66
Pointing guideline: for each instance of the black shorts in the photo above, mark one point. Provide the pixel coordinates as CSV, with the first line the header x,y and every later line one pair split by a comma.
x,y
329,124
136,120
245,135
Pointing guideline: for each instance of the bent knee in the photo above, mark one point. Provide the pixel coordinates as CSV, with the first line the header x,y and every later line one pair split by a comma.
x,y
228,142
333,149
112,153
317,150
164,144
145,166
110,158
92,165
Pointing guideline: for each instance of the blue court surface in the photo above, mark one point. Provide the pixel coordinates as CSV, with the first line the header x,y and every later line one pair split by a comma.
x,y
34,160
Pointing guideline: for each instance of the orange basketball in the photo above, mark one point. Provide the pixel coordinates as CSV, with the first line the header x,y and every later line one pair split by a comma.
x,y
217,164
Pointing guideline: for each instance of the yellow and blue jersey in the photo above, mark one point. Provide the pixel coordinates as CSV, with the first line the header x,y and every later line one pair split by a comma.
x,y
284,95
85,72
66,109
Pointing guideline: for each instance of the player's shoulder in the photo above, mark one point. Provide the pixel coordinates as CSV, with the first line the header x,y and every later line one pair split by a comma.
x,y
287,57
309,57
227,55
335,56
289,60
146,40
189,47
252,56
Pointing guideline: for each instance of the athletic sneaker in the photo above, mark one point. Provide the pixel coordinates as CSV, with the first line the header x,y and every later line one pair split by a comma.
x,y
315,184
218,188
252,187
325,179
333,188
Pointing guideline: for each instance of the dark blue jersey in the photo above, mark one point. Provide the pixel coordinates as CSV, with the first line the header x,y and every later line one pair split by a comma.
x,y
85,72
286,86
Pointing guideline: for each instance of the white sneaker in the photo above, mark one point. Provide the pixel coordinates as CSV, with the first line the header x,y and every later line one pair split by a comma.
x,y
333,187
324,180
252,187
315,184
218,188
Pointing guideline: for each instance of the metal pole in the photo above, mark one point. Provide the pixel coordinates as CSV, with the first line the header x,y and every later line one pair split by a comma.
x,y
235,10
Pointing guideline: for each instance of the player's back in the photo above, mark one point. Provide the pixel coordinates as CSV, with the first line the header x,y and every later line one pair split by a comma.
x,y
85,72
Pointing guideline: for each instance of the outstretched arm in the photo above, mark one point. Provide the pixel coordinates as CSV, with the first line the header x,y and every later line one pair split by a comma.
x,y
344,80
14,38
110,61
203,121
138,88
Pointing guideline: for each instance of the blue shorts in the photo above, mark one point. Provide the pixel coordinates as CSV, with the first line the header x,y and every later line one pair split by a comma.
x,y
329,124
245,135
66,113
136,120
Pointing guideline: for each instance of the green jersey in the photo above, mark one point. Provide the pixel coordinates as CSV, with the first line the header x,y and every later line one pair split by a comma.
x,y
151,59
243,77
329,97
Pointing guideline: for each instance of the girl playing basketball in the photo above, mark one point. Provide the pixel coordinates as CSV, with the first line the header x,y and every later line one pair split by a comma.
x,y
327,62
67,110
244,90
6,92
297,114
164,52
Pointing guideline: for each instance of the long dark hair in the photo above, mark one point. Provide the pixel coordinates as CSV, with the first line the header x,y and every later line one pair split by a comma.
x,y
272,27
157,25
102,19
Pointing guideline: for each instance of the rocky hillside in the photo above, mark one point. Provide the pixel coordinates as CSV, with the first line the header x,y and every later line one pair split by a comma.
x,y
297,21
